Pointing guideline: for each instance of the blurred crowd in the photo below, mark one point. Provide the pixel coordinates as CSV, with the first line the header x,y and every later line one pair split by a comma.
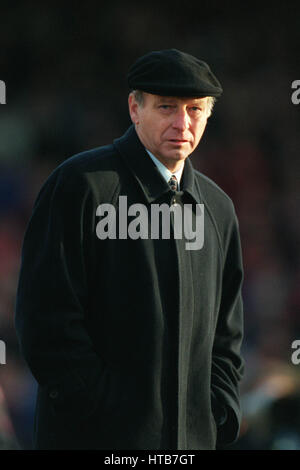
x,y
65,74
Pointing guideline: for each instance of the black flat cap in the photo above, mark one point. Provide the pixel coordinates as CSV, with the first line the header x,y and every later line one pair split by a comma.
x,y
173,73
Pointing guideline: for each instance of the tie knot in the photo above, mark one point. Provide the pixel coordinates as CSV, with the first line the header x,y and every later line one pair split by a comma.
x,y
173,183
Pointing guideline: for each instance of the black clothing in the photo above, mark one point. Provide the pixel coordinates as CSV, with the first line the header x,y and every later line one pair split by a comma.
x,y
134,343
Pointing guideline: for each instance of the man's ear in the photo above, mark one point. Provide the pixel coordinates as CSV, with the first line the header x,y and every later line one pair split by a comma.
x,y
133,108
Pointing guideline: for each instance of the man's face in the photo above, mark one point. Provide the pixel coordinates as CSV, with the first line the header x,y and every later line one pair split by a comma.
x,y
170,127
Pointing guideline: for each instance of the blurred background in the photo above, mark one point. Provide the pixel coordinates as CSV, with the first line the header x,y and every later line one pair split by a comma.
x,y
65,68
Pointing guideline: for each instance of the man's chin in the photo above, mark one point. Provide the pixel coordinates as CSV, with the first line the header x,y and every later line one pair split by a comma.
x,y
173,160
178,156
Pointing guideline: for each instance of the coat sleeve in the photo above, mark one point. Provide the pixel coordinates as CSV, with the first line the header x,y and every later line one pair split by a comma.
x,y
227,363
52,295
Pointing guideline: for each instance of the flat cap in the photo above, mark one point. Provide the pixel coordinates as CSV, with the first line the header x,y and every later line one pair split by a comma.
x,y
171,72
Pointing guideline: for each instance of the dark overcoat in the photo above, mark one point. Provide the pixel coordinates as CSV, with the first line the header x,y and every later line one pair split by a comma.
x,y
135,343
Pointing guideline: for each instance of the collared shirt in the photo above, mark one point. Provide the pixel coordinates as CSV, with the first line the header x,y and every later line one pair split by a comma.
x,y
165,172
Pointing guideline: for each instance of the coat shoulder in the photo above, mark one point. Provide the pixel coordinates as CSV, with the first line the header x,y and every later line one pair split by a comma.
x,y
93,160
97,169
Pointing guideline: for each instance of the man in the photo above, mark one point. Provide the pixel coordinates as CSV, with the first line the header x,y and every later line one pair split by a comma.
x,y
135,339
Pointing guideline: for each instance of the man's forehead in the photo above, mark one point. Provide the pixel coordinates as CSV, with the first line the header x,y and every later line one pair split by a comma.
x,y
187,99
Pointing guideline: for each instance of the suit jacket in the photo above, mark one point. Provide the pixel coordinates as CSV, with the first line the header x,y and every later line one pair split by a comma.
x,y
135,343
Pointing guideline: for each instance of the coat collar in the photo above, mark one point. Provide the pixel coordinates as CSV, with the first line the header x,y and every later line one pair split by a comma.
x,y
146,173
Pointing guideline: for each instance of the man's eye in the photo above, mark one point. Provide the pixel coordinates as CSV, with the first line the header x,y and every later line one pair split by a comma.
x,y
165,106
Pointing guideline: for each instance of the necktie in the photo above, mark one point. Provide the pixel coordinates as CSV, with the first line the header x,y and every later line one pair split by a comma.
x,y
173,183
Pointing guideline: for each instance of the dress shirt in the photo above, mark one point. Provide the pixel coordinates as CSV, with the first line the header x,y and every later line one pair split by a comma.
x,y
165,172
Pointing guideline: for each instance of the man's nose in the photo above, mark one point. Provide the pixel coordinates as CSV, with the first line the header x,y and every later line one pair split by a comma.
x,y
181,120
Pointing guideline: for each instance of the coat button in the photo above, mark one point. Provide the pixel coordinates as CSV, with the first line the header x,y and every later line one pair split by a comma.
x,y
53,393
